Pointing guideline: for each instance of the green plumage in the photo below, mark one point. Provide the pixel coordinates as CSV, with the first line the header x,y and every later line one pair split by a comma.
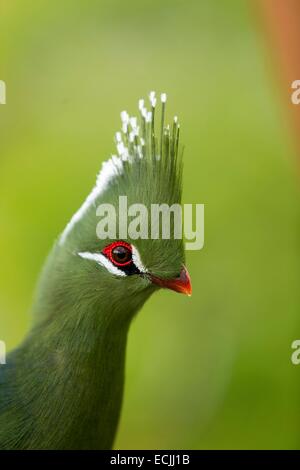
x,y
62,387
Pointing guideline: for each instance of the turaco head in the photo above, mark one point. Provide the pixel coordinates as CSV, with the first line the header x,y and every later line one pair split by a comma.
x,y
125,241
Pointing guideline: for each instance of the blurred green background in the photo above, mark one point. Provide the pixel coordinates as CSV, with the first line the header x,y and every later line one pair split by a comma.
x,y
212,371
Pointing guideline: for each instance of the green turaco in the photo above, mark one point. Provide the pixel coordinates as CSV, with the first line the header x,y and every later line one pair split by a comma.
x,y
62,387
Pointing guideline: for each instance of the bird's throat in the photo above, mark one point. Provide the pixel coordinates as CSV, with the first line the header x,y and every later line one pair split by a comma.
x,y
71,383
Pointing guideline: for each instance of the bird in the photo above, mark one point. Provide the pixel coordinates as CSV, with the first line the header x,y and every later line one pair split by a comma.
x,y
62,387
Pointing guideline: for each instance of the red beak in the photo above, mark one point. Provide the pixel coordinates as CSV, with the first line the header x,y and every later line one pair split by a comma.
x,y
180,284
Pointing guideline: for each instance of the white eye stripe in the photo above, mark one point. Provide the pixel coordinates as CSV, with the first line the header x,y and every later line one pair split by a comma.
x,y
101,259
137,260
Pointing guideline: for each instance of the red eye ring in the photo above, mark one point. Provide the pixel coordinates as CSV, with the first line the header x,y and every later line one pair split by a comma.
x,y
108,252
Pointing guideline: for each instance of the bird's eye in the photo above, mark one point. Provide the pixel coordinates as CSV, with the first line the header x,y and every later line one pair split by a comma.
x,y
119,253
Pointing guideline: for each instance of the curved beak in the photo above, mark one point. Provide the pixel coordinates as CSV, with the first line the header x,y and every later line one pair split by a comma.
x,y
180,284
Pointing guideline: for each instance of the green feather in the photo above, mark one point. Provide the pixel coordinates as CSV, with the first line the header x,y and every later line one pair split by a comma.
x,y
62,387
